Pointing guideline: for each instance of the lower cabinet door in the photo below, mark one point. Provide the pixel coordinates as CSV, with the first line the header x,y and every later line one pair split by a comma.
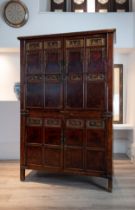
x,y
53,145
95,145
73,144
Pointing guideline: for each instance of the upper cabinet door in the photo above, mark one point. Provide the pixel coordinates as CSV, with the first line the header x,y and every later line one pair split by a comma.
x,y
34,80
53,68
96,68
74,69
34,57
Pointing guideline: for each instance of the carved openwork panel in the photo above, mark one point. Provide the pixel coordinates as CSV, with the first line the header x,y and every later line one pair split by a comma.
x,y
34,46
34,62
96,95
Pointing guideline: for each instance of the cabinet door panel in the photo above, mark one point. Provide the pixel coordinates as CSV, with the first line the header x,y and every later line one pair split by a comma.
x,y
53,133
74,92
96,55
74,57
52,136
73,158
35,95
53,92
53,56
34,62
95,133
74,137
96,96
74,60
95,160
34,155
53,62
53,157
73,144
34,130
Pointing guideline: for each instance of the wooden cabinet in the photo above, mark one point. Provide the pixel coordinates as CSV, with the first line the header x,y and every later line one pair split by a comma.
x,y
66,103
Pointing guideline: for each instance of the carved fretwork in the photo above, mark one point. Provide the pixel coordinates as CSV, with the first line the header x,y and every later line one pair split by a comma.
x,y
53,78
90,124
75,43
95,77
50,122
35,78
75,77
34,122
31,46
95,42
52,44
75,123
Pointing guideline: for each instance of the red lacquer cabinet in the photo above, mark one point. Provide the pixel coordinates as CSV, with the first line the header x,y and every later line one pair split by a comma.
x,y
66,103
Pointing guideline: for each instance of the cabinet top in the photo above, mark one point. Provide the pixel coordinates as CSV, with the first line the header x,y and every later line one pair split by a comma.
x,y
69,34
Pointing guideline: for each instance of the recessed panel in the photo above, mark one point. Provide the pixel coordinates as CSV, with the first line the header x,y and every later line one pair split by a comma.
x,y
35,95
34,62
73,158
96,96
53,61
34,155
52,157
95,160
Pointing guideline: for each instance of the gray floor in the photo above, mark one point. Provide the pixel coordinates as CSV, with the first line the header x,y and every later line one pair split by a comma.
x,y
42,191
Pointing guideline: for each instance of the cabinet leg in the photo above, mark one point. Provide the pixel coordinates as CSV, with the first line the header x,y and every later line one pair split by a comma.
x,y
22,174
110,184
